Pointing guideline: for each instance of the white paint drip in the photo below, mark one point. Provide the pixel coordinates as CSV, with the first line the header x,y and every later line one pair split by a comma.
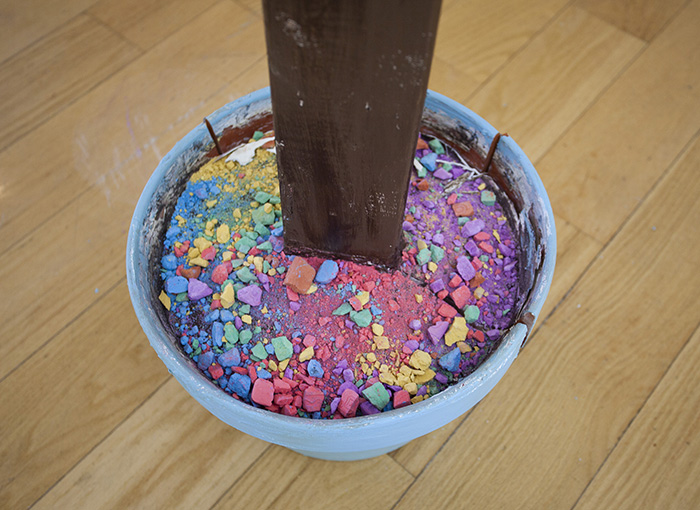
x,y
244,154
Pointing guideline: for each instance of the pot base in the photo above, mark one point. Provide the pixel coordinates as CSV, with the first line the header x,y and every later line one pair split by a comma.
x,y
349,456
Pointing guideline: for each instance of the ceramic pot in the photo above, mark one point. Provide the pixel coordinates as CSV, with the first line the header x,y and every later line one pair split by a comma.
x,y
366,436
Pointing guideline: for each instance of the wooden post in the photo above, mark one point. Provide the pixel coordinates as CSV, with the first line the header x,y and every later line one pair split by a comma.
x,y
348,81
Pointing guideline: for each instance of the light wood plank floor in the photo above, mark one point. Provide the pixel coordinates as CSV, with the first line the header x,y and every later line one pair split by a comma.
x,y
601,410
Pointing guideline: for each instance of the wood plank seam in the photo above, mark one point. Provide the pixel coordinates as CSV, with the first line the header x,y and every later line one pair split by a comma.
x,y
244,6
590,105
573,286
416,477
104,438
620,228
517,52
634,418
223,493
118,34
68,324
67,104
125,162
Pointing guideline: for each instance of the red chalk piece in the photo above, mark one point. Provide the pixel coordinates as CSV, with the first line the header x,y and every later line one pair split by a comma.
x,y
349,401
313,399
401,399
262,393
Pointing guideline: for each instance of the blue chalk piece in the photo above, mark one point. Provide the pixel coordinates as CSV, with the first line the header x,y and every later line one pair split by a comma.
x,y
212,316
277,243
217,333
225,315
172,232
214,190
327,272
429,161
264,374
230,358
270,348
450,361
239,384
205,360
315,369
169,262
278,231
375,310
176,285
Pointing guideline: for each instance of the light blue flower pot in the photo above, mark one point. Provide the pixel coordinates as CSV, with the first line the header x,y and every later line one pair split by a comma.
x,y
361,437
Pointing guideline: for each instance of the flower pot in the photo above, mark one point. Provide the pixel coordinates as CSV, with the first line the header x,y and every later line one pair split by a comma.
x,y
366,436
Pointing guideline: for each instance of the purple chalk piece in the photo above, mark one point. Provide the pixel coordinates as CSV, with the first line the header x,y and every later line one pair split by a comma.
x,y
197,290
407,226
348,375
294,306
368,408
437,331
442,174
438,239
465,268
415,324
250,295
348,386
437,286
230,358
472,248
411,345
473,227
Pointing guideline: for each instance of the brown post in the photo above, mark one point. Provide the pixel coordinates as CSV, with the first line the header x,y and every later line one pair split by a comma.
x,y
348,81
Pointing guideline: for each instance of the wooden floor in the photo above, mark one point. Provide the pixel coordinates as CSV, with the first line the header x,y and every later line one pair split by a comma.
x,y
600,411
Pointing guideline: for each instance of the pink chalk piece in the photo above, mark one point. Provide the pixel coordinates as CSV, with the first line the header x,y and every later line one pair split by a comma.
x,y
313,399
349,401
263,392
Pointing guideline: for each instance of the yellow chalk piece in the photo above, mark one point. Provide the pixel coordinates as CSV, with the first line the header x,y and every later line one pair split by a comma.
x,y
199,261
381,342
419,298
497,236
383,368
223,234
268,208
387,378
254,205
416,399
306,354
283,365
263,310
363,297
202,244
478,292
432,266
193,253
247,319
165,299
228,296
272,365
424,378
272,272
180,220
411,387
464,347
421,244
258,263
226,256
216,295
237,213
372,357
420,360
378,329
457,331
312,289
481,186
